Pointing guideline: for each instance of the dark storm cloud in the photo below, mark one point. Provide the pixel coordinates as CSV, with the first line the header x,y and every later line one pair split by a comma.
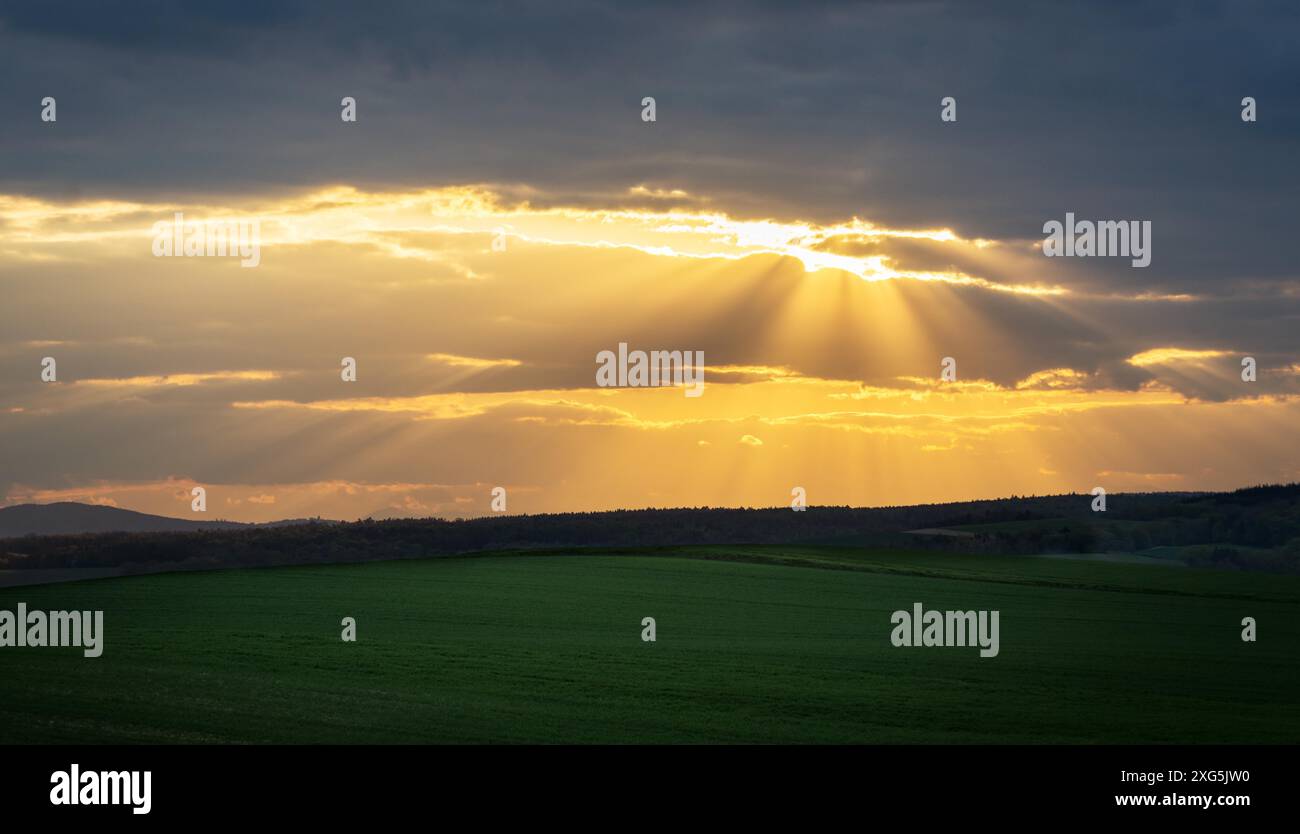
x,y
1110,111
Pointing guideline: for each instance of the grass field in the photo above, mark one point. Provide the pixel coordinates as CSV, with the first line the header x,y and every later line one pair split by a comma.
x,y
754,645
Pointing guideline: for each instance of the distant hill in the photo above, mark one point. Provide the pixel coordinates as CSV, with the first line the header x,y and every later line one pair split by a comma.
x,y
67,517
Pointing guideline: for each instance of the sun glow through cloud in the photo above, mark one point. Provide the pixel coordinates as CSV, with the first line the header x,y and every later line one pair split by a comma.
x,y
346,215
475,314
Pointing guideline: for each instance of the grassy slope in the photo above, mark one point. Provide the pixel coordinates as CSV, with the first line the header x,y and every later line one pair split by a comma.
x,y
755,645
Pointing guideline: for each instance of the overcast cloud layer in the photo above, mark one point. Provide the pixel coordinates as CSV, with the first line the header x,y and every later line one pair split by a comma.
x,y
819,110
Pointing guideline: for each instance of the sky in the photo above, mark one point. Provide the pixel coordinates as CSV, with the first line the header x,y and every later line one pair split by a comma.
x,y
500,212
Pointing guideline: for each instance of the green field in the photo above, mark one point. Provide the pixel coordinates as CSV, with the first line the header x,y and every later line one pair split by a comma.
x,y
754,645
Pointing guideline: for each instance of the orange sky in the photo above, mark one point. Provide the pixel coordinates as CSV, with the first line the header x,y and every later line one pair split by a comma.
x,y
476,364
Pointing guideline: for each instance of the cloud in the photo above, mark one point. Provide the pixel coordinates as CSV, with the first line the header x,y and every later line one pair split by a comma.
x,y
472,362
798,213
182,379
780,112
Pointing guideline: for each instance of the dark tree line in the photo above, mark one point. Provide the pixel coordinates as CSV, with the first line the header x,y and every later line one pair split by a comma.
x,y
1250,528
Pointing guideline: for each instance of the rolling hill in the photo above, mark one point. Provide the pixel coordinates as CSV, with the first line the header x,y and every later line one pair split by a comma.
x,y
68,517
